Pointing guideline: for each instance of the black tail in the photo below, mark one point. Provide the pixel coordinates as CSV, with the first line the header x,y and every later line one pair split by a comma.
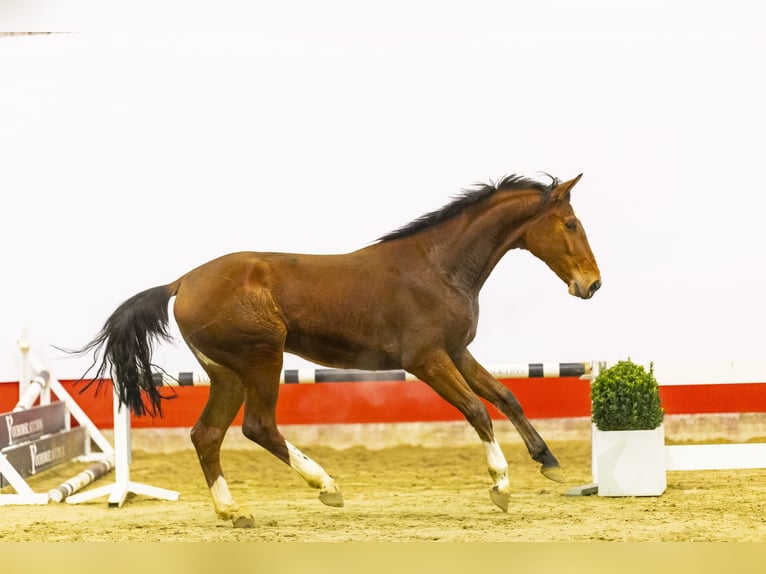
x,y
126,341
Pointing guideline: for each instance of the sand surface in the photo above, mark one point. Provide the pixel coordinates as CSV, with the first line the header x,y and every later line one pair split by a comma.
x,y
401,493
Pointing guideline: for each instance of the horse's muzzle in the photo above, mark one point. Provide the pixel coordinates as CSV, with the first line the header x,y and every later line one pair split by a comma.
x,y
578,291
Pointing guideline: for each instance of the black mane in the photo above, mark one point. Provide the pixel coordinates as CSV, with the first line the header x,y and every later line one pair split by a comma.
x,y
467,198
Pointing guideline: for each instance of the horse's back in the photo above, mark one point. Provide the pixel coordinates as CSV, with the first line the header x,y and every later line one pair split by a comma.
x,y
327,308
281,283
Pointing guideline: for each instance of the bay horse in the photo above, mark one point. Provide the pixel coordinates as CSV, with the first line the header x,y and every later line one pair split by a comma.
x,y
407,301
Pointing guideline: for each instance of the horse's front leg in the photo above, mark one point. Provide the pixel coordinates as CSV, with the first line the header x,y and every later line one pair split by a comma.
x,y
440,373
487,387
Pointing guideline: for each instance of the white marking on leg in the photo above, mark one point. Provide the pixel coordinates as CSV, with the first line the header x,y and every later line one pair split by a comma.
x,y
312,473
498,466
224,503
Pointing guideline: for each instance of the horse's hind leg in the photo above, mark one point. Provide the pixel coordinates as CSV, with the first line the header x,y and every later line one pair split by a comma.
x,y
261,382
225,399
487,387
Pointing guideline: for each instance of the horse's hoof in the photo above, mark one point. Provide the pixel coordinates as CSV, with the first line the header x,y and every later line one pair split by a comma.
x,y
331,498
554,473
499,498
243,521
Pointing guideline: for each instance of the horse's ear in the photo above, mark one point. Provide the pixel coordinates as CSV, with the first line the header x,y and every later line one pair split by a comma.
x,y
562,190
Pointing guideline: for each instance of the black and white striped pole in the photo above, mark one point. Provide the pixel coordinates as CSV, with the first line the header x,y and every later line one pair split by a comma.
x,y
314,376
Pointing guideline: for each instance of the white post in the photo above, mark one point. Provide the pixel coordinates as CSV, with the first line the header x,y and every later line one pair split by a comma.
x,y
24,374
122,454
122,485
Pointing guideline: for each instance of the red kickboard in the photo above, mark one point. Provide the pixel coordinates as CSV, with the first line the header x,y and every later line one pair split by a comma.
x,y
411,401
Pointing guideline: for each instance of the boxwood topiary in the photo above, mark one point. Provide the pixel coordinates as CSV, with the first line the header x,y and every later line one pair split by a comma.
x,y
626,397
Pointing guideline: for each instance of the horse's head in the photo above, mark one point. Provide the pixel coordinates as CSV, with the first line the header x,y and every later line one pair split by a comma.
x,y
557,237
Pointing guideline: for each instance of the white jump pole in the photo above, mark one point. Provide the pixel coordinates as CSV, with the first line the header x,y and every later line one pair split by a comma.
x,y
81,480
32,392
119,489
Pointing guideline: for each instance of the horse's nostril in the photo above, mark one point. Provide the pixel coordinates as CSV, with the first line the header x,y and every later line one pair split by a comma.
x,y
595,286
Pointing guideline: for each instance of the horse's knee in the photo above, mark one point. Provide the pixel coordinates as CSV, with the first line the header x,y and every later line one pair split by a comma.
x,y
512,404
476,414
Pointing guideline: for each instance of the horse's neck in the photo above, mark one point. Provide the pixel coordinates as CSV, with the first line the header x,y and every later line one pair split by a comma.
x,y
469,246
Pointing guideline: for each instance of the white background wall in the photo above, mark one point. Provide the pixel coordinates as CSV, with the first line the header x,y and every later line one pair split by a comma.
x,y
167,133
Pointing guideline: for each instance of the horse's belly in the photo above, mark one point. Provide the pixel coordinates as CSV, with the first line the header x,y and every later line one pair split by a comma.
x,y
340,353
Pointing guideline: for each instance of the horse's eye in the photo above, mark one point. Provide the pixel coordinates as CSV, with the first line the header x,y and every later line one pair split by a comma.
x,y
571,225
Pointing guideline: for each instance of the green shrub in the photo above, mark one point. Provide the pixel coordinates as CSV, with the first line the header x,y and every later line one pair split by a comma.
x,y
626,397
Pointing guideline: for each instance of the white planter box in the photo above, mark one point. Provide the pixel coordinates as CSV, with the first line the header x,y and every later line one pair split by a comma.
x,y
630,463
